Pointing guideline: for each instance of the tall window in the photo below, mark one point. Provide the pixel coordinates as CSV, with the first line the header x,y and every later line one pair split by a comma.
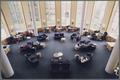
x,y
65,12
50,13
17,15
80,5
98,14
36,9
113,29
4,30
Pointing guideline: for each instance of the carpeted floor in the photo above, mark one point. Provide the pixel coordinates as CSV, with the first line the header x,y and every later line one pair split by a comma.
x,y
92,70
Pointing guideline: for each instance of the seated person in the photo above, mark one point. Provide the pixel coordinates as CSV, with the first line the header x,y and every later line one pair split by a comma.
x,y
82,59
47,29
74,35
62,34
54,29
85,32
20,37
93,36
6,48
42,37
96,31
99,36
59,28
77,46
104,36
11,40
72,28
28,34
37,44
78,38
69,28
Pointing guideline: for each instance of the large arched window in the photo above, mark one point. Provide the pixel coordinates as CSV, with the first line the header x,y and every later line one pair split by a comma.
x,y
98,14
65,12
36,8
50,13
4,29
17,16
113,28
80,5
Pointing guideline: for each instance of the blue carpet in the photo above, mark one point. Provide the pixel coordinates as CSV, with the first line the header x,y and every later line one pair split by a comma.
x,y
94,69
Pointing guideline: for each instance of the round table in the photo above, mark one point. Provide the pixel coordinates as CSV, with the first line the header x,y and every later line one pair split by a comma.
x,y
28,38
77,47
63,39
58,54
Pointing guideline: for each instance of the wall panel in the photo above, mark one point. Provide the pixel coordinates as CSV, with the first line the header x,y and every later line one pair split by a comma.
x,y
58,12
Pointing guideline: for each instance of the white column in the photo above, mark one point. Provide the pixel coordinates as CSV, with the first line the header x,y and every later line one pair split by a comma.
x,y
5,65
114,58
83,14
33,18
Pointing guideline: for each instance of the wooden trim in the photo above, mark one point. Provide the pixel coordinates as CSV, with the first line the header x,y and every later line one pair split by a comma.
x,y
6,22
58,12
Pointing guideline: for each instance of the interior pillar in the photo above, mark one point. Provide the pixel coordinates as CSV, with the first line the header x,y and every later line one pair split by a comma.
x,y
114,58
5,65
